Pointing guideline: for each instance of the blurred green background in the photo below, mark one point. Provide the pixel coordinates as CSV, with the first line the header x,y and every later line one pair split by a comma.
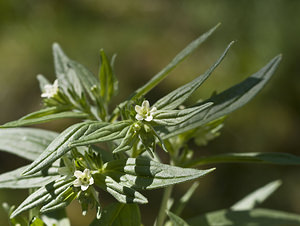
x,y
146,35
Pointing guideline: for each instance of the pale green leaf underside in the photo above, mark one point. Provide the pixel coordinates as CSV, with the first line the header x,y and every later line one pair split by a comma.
x,y
257,197
267,157
145,174
57,218
119,214
181,94
14,179
255,217
227,101
27,143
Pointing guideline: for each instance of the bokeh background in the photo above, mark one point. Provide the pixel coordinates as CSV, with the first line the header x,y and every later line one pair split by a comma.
x,y
146,35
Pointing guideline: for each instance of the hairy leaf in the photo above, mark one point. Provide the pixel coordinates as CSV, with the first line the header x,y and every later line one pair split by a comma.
x,y
178,96
118,214
27,143
61,145
227,101
142,173
255,217
175,117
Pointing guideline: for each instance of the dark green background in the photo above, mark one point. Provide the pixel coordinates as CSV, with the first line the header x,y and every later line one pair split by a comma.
x,y
146,35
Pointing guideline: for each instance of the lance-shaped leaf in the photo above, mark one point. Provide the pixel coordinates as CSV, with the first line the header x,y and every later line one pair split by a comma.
x,y
45,115
61,145
108,80
227,101
28,143
181,94
108,132
43,195
255,217
14,179
63,65
122,193
142,173
175,117
118,214
176,220
256,197
176,60
267,157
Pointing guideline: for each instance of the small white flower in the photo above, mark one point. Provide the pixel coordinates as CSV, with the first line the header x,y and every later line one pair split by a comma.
x,y
144,112
50,90
83,179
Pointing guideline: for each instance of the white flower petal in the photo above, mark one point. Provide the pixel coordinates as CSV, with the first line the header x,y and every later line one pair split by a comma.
x,y
149,118
146,104
138,109
78,174
86,172
91,181
77,183
153,109
139,117
84,187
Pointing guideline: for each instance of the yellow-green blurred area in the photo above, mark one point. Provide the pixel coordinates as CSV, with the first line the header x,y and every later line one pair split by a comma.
x,y
146,35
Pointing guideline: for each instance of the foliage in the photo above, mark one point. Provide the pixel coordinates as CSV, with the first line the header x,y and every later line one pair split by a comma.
x,y
118,151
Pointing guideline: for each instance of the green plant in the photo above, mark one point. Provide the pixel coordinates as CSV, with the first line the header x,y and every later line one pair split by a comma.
x,y
117,152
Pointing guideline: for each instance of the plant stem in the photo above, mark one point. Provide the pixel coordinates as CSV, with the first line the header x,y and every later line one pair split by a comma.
x,y
162,211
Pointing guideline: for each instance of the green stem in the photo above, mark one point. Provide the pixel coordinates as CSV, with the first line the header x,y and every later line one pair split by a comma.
x,y
162,211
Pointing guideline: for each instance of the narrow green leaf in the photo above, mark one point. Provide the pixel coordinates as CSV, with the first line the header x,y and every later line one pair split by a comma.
x,y
44,115
257,197
181,94
252,157
108,132
175,117
62,144
28,143
42,196
255,217
14,179
122,193
146,174
227,101
176,60
176,220
118,214
108,81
